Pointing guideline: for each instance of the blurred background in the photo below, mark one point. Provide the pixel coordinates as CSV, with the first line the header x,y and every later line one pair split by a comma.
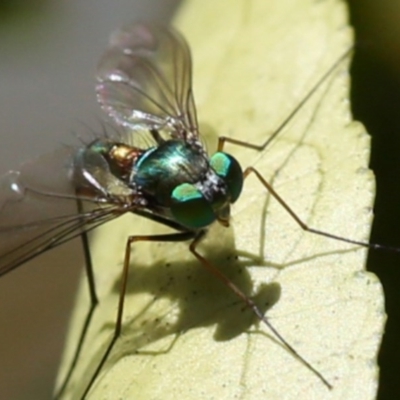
x,y
376,102
48,54
49,50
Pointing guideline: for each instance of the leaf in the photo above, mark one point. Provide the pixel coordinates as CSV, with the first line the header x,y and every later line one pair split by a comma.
x,y
184,334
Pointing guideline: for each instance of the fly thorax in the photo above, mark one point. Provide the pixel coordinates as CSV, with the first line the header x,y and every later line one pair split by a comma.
x,y
160,170
197,205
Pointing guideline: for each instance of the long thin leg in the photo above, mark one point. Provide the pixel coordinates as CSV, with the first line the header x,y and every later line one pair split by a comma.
x,y
93,303
304,226
171,237
223,139
250,303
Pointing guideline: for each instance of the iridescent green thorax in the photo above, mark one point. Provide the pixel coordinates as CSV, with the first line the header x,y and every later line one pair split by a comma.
x,y
160,170
179,177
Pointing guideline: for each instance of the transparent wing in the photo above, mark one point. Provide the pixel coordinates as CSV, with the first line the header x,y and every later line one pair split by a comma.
x,y
39,205
145,80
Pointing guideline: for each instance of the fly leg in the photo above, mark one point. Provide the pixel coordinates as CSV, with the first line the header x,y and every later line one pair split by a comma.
x,y
224,139
303,225
250,303
221,142
93,303
171,237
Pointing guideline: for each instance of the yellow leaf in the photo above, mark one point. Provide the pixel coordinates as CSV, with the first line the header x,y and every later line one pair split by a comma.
x,y
185,335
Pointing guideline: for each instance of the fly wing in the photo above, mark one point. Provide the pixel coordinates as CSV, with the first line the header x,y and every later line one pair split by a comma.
x,y
145,80
39,207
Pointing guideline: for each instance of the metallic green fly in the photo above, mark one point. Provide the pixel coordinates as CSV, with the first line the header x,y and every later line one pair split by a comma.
x,y
155,166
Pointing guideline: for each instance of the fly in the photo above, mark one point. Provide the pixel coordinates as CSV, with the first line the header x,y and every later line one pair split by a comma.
x,y
155,166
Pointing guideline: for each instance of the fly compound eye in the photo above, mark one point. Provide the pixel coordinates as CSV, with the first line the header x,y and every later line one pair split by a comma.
x,y
227,168
190,208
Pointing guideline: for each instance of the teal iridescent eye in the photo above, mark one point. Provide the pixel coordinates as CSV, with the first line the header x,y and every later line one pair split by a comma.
x,y
190,208
227,167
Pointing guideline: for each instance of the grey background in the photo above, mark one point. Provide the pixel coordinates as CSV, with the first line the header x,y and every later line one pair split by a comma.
x,y
49,51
